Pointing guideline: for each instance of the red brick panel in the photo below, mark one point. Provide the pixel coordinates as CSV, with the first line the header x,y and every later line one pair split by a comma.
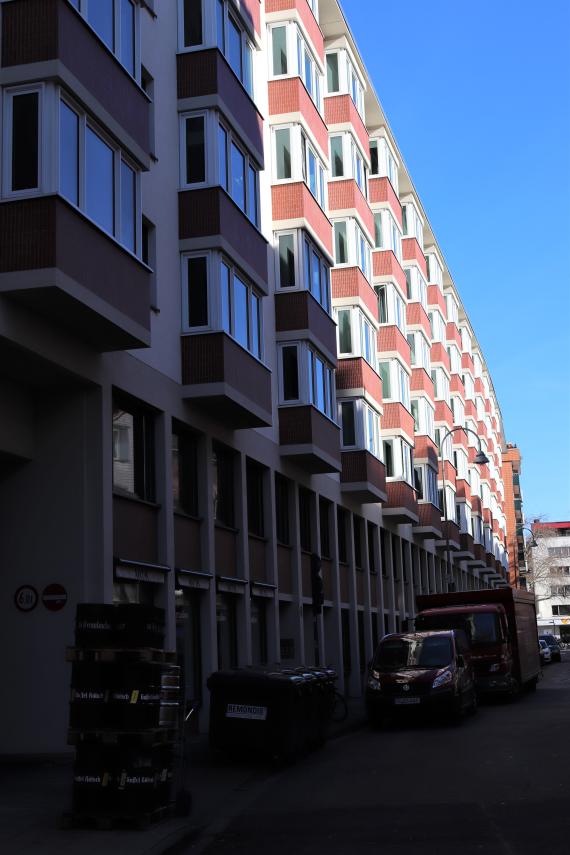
x,y
479,386
357,374
471,409
401,495
426,449
305,425
482,429
290,96
412,251
381,190
416,315
466,541
351,282
451,530
306,16
452,334
467,362
421,382
476,505
391,340
429,515
450,473
456,385
397,417
435,298
463,489
385,263
346,194
298,310
459,437
361,466
339,110
439,355
443,413
295,201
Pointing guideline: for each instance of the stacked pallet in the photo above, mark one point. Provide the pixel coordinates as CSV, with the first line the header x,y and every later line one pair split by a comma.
x,y
124,716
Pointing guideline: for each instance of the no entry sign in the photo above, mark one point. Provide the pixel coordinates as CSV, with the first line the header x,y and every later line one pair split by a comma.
x,y
54,597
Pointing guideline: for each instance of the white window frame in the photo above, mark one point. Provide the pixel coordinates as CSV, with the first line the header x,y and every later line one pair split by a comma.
x,y
213,293
209,150
8,95
116,49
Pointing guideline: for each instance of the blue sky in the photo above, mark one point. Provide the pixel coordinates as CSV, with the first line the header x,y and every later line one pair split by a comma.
x,y
478,97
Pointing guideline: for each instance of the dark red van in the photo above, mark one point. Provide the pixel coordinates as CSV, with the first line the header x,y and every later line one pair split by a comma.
x,y
424,671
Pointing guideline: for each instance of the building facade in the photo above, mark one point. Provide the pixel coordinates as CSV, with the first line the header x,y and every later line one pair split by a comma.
x,y
511,472
229,342
549,577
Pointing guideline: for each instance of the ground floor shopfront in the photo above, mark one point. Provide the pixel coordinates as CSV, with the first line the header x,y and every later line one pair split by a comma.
x,y
113,488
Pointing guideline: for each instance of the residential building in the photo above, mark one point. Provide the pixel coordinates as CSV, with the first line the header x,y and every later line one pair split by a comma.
x,y
511,472
549,577
229,342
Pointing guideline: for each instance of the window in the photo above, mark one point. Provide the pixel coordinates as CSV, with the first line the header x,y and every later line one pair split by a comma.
x,y
340,243
378,242
419,482
415,415
195,150
282,509
306,373
197,290
371,430
308,71
332,73
255,516
305,523
286,261
348,425
290,372
382,304
341,535
325,529
407,462
279,45
185,471
316,274
383,162
283,153
231,38
384,371
313,171
238,174
337,163
97,177
373,157
223,484
116,24
344,317
23,165
133,450
388,447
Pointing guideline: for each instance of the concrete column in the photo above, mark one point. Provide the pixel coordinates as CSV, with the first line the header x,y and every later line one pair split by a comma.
x,y
273,632
244,603
163,445
296,572
354,687
334,636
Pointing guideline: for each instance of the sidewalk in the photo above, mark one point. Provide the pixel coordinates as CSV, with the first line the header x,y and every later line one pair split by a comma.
x,y
33,798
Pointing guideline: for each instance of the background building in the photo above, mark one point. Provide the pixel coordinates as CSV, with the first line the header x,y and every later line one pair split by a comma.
x,y
229,341
549,576
514,514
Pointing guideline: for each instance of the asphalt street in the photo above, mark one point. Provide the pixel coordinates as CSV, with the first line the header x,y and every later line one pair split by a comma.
x,y
497,784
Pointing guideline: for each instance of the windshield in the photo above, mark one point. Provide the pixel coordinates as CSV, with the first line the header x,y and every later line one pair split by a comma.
x,y
397,653
481,627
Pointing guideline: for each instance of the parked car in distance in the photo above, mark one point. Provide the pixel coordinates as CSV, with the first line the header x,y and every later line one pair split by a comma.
x,y
430,672
544,650
553,646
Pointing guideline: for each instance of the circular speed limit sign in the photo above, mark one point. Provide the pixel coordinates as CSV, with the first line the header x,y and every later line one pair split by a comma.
x,y
26,598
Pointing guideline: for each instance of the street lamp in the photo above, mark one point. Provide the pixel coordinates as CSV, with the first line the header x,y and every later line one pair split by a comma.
x,y
480,459
533,542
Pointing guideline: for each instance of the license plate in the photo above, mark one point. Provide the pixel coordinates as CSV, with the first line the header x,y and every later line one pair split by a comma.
x,y
406,700
248,711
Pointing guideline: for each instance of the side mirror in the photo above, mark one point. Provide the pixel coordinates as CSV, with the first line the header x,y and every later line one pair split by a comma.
x,y
460,661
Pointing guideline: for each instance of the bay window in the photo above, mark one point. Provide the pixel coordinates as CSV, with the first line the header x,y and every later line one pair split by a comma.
x,y
360,426
302,266
446,502
395,382
413,223
217,296
417,286
398,459
291,56
446,451
465,340
454,359
425,483
391,306
351,246
296,159
419,350
452,309
116,23
424,415
458,410
387,233
440,385
96,177
343,77
356,334
434,270
305,377
461,463
437,326
313,170
347,160
383,162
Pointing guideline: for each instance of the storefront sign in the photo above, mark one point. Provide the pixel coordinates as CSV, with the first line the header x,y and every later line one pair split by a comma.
x,y
54,597
140,573
231,586
196,580
267,591
26,598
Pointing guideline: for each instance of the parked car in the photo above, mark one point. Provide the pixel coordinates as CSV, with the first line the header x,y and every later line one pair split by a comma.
x,y
544,650
423,671
553,646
